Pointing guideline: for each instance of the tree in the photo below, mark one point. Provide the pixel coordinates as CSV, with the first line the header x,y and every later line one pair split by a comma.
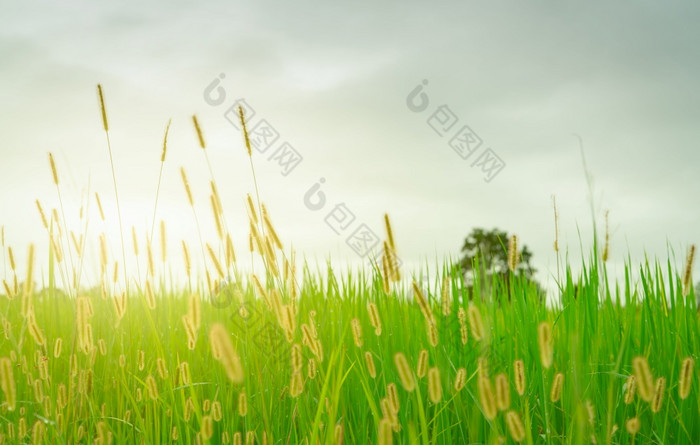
x,y
485,256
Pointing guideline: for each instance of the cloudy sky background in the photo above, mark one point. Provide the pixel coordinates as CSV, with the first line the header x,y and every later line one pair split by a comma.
x,y
333,80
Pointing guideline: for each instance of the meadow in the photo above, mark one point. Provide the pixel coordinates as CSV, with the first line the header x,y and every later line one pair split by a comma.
x,y
291,355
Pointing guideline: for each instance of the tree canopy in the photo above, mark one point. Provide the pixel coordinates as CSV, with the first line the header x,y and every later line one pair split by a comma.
x,y
485,253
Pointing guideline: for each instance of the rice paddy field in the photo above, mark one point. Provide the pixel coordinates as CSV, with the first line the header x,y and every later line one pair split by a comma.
x,y
292,355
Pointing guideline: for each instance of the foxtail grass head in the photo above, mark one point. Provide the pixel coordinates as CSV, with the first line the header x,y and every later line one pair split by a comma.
x,y
513,253
405,373
54,173
245,131
434,385
487,398
102,107
658,397
557,386
165,142
519,376
198,130
220,340
687,276
369,363
686,377
644,378
545,343
515,426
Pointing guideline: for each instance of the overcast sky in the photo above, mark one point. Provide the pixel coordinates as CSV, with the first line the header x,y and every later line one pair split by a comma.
x,y
333,81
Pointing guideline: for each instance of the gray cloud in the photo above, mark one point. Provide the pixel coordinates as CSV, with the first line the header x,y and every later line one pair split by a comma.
x,y
333,79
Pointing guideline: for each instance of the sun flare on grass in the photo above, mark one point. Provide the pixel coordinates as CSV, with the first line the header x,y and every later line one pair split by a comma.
x,y
284,354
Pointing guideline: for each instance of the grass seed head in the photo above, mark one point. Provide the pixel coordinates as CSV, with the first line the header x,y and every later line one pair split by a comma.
x,y
186,258
422,367
513,253
54,173
446,296
198,130
311,369
374,318
423,303
252,213
216,412
152,387
658,399
215,260
35,331
463,333
590,409
630,389
57,347
369,362
388,412
296,384
482,367
545,343
11,257
163,242
386,272
385,432
433,337
502,392
515,426
245,131
218,335
519,376
357,332
557,386
271,232
242,404
186,184
405,373
165,141
393,394
230,252
194,310
486,397
389,232
102,107
29,278
38,430
632,425
217,217
460,379
338,434
434,385
44,222
207,427
644,378
7,383
162,368
297,359
686,378
475,322
687,276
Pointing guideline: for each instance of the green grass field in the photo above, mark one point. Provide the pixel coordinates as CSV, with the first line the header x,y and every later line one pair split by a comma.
x,y
293,355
